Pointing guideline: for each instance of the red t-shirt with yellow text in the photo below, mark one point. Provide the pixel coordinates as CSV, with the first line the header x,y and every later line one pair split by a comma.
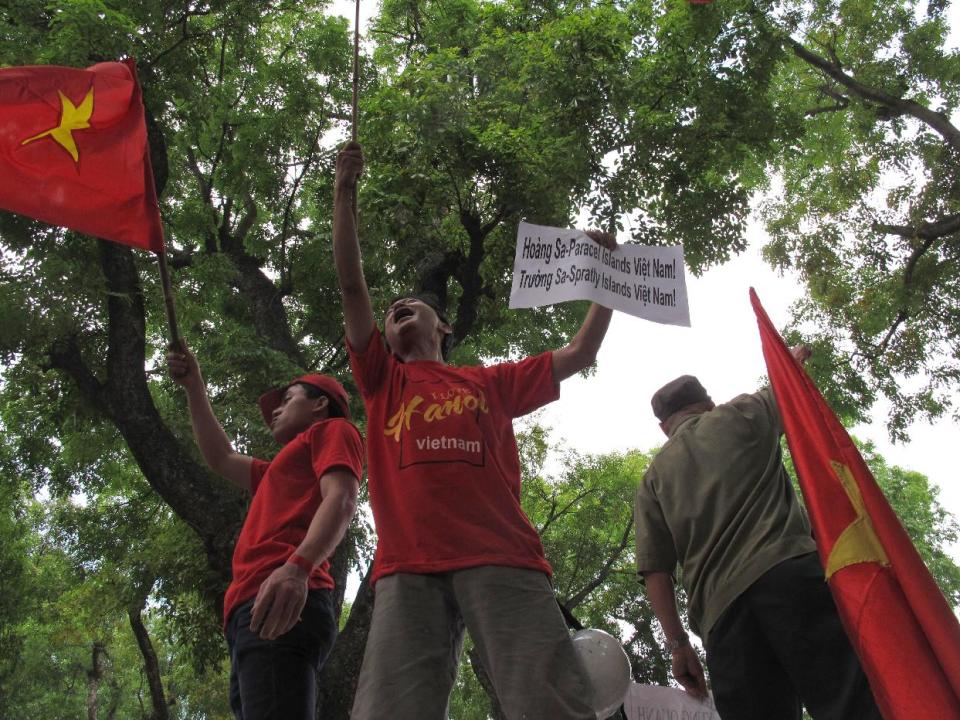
x,y
443,467
286,495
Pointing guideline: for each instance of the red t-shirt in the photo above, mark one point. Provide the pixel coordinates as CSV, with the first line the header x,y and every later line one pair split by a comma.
x,y
443,467
286,495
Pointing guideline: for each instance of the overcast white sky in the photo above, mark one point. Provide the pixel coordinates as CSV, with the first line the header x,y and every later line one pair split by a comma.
x,y
611,410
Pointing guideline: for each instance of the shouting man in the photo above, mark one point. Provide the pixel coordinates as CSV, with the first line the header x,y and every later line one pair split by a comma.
x,y
455,548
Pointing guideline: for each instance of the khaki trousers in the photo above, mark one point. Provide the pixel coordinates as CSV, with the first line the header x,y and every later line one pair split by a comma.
x,y
413,649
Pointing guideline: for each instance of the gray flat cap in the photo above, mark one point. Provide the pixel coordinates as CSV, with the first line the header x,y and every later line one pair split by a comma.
x,y
676,395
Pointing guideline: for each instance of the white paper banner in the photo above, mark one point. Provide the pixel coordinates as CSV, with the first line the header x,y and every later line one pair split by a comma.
x,y
655,702
554,265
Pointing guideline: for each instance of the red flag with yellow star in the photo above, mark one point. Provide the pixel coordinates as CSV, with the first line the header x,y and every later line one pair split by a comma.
x,y
73,151
899,622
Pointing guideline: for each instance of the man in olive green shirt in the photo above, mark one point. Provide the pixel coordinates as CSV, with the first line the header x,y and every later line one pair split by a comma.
x,y
717,501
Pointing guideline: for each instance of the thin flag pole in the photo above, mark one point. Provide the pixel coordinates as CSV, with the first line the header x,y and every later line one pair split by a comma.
x,y
175,339
356,94
356,70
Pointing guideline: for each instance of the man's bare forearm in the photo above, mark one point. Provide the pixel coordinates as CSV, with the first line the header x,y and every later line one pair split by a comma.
x,y
357,308
581,352
663,600
215,446
330,522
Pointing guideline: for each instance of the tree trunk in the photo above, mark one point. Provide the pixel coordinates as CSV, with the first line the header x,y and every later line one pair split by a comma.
x,y
207,504
150,665
337,683
94,676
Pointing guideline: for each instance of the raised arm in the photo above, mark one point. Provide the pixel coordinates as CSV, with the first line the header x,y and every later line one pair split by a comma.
x,y
357,310
214,445
683,658
581,352
282,595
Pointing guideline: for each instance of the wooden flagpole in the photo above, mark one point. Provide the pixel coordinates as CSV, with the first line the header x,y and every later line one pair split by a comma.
x,y
356,70
175,339
356,93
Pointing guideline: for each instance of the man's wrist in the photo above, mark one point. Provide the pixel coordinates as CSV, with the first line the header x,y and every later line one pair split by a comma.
x,y
301,563
680,641
195,388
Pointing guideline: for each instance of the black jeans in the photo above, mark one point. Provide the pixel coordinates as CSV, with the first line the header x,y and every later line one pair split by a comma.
x,y
782,643
277,679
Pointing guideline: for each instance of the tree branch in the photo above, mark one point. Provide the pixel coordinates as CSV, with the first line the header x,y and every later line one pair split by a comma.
x,y
557,514
604,571
311,154
842,102
467,273
65,356
151,665
925,231
895,105
904,314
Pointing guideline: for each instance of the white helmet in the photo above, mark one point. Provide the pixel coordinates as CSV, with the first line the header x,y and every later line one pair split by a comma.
x,y
607,668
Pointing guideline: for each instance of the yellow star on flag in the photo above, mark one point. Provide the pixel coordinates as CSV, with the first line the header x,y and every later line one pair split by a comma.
x,y
858,543
72,118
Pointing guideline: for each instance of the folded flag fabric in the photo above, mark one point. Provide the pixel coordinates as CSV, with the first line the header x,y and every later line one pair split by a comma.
x,y
899,622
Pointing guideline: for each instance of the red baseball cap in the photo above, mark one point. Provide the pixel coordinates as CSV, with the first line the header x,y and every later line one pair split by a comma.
x,y
271,399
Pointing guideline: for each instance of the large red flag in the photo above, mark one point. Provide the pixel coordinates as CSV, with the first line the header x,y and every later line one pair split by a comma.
x,y
899,622
73,151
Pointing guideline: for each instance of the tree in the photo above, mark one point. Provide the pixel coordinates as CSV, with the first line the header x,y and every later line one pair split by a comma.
x,y
17,593
474,114
867,207
84,644
239,101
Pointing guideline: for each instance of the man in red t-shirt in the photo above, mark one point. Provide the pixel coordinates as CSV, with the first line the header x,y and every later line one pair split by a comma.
x,y
278,611
455,548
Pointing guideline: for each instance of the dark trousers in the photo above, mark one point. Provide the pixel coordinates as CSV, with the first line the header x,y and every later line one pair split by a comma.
x,y
277,679
782,643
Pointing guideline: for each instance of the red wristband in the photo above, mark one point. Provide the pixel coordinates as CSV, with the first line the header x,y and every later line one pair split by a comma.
x,y
301,562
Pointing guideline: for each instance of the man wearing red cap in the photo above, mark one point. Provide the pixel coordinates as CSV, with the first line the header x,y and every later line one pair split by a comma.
x,y
278,611
455,549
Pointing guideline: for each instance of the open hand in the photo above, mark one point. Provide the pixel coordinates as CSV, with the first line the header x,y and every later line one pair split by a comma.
x,y
279,602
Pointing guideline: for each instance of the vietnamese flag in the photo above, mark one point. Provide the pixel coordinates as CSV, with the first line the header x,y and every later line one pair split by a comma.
x,y
73,151
898,621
